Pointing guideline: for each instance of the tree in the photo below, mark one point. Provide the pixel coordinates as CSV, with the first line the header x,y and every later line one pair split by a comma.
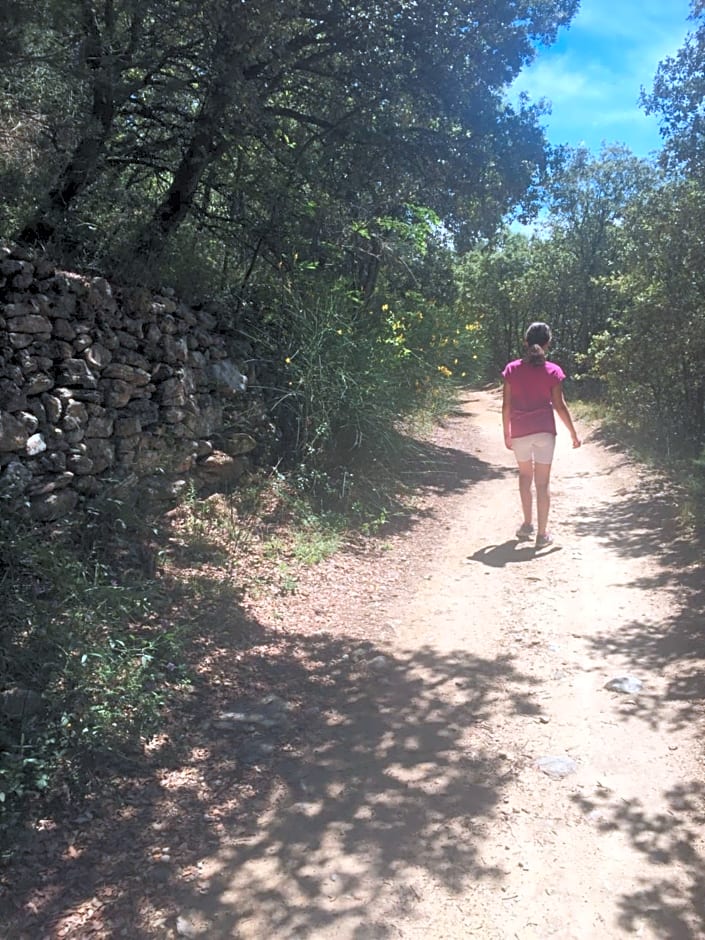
x,y
651,354
492,285
587,198
386,103
109,56
678,100
565,275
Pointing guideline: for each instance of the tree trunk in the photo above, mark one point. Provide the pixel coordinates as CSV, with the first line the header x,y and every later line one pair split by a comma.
x,y
79,172
74,178
206,145
202,151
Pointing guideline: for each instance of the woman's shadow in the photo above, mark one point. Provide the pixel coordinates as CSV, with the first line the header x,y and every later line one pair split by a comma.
x,y
509,553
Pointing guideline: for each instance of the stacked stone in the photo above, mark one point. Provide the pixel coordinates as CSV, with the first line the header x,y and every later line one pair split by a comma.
x,y
98,385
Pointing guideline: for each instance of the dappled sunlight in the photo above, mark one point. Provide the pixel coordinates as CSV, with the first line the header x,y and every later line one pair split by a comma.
x,y
637,524
672,651
661,587
361,753
371,773
671,904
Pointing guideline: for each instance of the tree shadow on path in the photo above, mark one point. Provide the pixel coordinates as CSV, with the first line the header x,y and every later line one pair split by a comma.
x,y
644,526
423,468
644,523
668,653
672,904
307,779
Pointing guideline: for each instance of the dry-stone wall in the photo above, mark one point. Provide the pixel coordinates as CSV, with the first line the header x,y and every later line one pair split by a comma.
x,y
101,386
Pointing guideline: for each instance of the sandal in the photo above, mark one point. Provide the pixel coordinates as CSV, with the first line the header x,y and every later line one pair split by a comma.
x,y
525,532
543,541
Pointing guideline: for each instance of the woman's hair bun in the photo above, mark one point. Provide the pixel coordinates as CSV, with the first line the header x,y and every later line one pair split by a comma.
x,y
538,334
537,337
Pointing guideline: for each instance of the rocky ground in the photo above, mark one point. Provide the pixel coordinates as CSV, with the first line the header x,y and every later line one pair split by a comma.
x,y
425,735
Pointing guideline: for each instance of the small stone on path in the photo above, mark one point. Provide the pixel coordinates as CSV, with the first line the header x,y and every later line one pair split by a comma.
x,y
192,925
628,684
557,766
379,662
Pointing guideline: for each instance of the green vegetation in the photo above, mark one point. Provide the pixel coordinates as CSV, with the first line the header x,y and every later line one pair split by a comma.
x,y
617,268
337,176
313,168
86,665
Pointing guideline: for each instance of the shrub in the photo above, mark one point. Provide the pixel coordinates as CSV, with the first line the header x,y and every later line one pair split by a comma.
x,y
85,666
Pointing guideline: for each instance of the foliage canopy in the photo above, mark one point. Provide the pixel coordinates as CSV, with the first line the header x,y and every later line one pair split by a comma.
x,y
269,122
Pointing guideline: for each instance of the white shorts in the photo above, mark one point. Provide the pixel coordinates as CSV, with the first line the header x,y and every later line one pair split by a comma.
x,y
536,447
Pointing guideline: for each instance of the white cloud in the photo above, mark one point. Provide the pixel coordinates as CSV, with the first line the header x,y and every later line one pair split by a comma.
x,y
622,116
561,81
649,23
593,76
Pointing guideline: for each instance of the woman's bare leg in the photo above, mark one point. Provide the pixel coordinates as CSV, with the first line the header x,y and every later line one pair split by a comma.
x,y
526,476
542,479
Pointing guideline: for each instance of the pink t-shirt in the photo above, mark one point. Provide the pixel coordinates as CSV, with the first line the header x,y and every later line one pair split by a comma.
x,y
531,408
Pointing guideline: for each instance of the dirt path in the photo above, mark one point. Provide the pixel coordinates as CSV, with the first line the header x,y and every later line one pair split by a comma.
x,y
389,787
618,847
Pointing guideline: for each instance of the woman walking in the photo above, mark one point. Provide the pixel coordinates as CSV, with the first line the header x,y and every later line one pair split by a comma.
x,y
533,394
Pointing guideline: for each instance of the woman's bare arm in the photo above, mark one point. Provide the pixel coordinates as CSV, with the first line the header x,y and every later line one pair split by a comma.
x,y
561,409
506,413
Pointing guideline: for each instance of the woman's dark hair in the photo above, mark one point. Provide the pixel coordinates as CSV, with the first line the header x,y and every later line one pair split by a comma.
x,y
536,337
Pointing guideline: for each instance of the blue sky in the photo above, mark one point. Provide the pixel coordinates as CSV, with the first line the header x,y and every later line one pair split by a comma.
x,y
593,74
